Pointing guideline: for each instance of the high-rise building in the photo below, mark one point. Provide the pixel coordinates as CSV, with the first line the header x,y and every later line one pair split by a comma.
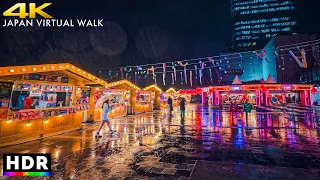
x,y
257,21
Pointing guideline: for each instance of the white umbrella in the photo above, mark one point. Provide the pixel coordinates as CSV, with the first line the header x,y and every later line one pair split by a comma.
x,y
102,99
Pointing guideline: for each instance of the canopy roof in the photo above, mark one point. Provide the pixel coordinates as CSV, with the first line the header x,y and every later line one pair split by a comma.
x,y
66,68
236,80
171,91
122,84
153,88
270,80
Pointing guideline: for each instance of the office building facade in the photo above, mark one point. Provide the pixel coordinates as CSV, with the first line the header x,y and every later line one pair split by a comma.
x,y
257,21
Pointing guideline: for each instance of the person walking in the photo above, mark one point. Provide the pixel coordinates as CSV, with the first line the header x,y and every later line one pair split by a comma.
x,y
182,107
170,105
247,107
105,110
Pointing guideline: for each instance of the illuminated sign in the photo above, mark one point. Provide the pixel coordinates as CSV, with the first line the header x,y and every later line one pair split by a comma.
x,y
287,87
235,88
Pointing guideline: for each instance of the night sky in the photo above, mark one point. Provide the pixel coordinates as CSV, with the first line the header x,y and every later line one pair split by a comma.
x,y
135,32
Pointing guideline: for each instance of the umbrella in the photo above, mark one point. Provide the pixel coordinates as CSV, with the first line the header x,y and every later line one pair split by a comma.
x,y
102,99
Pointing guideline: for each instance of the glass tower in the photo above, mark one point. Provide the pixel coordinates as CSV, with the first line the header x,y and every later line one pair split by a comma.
x,y
257,21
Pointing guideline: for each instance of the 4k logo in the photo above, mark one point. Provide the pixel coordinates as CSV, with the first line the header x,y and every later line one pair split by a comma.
x,y
22,11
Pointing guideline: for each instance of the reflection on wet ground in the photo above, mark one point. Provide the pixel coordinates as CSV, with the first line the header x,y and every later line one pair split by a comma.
x,y
161,146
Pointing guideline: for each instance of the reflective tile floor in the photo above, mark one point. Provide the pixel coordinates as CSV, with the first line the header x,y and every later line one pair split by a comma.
x,y
204,144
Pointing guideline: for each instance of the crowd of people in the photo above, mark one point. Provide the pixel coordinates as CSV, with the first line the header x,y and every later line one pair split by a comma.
x,y
107,107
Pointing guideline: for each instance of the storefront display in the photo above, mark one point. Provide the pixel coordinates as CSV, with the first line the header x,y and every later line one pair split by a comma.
x,y
5,94
83,98
117,99
284,98
32,100
238,98
143,101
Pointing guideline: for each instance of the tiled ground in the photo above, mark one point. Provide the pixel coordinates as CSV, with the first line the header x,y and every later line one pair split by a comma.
x,y
162,146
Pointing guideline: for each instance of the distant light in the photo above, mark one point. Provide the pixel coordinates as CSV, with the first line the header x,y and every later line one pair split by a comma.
x,y
11,70
34,69
23,69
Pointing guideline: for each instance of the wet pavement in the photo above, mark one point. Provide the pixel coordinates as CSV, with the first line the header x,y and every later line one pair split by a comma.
x,y
162,146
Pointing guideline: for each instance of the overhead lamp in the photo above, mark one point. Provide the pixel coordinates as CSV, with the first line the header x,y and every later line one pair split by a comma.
x,y
11,70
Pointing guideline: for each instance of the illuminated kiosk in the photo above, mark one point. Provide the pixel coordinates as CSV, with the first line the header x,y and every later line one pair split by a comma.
x,y
42,100
143,102
155,96
122,93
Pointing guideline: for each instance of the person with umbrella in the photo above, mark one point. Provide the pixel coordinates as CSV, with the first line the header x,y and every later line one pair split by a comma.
x,y
106,108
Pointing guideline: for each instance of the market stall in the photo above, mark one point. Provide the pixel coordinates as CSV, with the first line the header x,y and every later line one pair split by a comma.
x,y
155,96
119,101
143,102
40,100
129,103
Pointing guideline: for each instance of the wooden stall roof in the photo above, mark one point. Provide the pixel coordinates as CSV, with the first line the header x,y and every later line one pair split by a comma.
x,y
171,91
66,68
122,84
243,87
153,88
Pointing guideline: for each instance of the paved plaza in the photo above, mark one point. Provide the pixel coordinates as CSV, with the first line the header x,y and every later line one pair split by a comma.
x,y
205,144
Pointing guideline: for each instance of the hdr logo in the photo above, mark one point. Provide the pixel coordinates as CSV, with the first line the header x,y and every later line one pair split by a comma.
x,y
22,11
26,164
